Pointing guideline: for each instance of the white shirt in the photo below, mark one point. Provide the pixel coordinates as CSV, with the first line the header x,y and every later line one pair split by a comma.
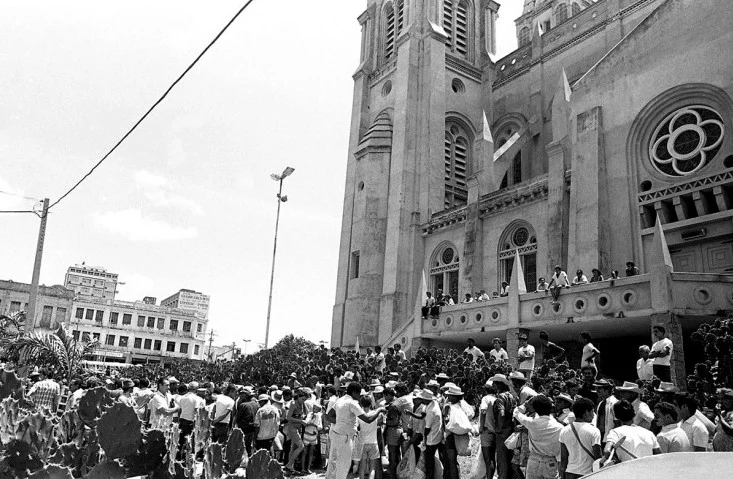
x,y
644,369
158,420
639,441
189,403
579,461
368,431
673,439
560,280
588,350
499,355
347,411
527,364
487,408
609,419
696,432
661,345
401,355
544,432
434,422
379,364
475,352
582,280
223,404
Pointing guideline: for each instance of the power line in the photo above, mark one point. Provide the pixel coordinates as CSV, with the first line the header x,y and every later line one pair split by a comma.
x,y
17,211
18,196
160,100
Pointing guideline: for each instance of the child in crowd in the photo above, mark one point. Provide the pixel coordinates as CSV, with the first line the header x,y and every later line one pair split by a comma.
x,y
371,461
313,424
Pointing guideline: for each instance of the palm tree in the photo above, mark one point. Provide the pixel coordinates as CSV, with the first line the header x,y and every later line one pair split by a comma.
x,y
58,350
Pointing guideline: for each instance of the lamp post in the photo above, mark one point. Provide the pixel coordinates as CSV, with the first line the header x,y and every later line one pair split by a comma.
x,y
280,199
245,345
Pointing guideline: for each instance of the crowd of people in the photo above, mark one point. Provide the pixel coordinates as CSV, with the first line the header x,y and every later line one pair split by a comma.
x,y
558,281
347,411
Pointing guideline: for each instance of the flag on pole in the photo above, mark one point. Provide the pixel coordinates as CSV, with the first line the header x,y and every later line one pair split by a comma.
x,y
356,347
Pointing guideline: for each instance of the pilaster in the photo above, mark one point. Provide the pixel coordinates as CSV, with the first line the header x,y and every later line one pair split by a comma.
x,y
589,241
471,261
512,344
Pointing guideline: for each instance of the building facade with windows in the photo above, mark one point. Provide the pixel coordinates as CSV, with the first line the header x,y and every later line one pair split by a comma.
x,y
138,332
189,300
603,138
54,303
91,281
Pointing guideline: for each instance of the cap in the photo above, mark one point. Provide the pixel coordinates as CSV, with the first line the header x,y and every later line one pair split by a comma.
x,y
192,386
522,336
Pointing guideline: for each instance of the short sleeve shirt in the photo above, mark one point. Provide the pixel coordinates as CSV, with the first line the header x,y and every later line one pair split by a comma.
x,y
475,352
696,432
560,280
673,439
527,364
579,461
639,441
499,355
487,408
661,345
347,411
434,422
158,420
223,403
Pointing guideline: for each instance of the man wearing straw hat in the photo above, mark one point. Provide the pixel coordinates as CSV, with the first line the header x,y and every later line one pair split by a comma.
x,y
643,416
503,413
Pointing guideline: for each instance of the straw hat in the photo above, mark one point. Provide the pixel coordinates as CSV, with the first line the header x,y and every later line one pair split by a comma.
x,y
500,378
630,387
454,391
665,387
426,394
517,375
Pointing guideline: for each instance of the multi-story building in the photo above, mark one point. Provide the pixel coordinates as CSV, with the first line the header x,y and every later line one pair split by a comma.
x,y
138,332
54,303
190,300
603,138
91,281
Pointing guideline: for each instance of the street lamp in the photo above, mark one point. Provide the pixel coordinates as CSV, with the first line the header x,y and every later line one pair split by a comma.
x,y
245,345
280,199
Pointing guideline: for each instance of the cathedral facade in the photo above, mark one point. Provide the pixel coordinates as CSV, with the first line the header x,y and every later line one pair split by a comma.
x,y
604,138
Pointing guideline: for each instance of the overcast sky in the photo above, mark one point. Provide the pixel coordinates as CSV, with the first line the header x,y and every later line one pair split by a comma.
x,y
187,201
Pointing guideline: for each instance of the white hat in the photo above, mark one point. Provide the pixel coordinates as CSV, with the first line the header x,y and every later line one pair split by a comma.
x,y
447,386
630,387
426,394
500,378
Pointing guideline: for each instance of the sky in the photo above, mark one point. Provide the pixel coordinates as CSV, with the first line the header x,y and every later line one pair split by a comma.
x,y
187,200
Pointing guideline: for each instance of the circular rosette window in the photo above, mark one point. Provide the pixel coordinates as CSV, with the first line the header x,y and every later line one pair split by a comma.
x,y
686,140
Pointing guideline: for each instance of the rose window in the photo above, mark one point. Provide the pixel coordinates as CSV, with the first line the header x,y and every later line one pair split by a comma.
x,y
447,256
686,140
521,236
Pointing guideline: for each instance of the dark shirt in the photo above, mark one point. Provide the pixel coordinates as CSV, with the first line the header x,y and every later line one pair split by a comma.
x,y
246,415
587,392
552,351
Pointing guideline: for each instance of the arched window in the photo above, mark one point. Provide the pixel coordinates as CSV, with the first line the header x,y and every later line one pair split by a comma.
x,y
524,36
561,13
576,8
457,24
457,162
514,172
518,236
400,20
444,271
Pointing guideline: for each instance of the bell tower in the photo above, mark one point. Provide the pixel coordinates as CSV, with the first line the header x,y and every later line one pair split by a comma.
x,y
421,92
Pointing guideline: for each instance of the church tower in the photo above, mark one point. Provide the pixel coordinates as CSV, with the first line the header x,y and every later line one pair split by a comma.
x,y
418,146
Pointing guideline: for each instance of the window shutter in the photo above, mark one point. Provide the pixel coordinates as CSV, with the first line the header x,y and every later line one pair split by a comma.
x,y
389,32
400,17
448,21
461,25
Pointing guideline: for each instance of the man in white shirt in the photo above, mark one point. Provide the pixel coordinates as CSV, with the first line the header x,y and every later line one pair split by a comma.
x,y
643,416
580,442
344,416
637,441
498,353
379,362
484,296
267,422
399,353
544,437
143,395
161,415
428,306
433,434
696,431
223,408
525,356
487,431
671,438
190,404
644,364
662,354
558,282
473,350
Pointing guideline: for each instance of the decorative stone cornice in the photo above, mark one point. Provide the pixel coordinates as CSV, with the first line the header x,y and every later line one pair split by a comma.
x,y
382,71
463,67
697,184
508,198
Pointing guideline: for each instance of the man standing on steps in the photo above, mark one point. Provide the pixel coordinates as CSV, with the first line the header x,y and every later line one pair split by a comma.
x,y
343,416
662,354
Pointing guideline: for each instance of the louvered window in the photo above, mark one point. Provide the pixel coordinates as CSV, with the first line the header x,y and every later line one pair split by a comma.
x,y
448,22
389,32
561,13
457,24
517,168
523,36
457,161
400,16
576,9
461,28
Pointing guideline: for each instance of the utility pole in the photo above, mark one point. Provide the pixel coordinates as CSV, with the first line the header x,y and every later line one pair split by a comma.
x,y
211,340
30,321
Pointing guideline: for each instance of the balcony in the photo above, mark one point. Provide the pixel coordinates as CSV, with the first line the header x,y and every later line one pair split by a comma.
x,y
619,304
